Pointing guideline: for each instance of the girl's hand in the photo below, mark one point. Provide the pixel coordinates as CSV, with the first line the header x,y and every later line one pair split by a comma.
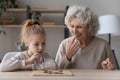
x,y
72,48
33,58
107,64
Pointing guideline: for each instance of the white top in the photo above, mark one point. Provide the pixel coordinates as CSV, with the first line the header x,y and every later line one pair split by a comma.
x,y
18,62
88,58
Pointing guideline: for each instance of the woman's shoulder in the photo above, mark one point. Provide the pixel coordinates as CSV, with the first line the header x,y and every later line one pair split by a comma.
x,y
99,40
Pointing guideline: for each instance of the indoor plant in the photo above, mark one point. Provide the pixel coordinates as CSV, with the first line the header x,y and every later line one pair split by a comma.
x,y
4,4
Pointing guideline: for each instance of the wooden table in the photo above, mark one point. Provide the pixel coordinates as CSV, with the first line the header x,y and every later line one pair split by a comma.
x,y
78,74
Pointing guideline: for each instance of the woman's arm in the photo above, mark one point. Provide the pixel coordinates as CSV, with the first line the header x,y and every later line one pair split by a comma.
x,y
61,58
109,62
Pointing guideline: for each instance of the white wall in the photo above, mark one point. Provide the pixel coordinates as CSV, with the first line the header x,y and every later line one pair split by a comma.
x,y
100,7
6,41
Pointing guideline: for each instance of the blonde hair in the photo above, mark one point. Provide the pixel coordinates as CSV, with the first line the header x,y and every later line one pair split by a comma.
x,y
86,17
31,27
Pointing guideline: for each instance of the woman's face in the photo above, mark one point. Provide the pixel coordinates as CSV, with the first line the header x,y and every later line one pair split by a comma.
x,y
78,30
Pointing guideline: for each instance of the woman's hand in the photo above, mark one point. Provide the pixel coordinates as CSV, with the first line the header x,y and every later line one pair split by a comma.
x,y
107,64
72,48
33,58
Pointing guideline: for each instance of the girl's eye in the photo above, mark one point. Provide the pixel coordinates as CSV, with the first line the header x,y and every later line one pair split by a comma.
x,y
72,26
36,44
43,43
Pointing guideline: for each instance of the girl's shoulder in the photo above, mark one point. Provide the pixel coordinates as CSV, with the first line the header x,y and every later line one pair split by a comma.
x,y
21,55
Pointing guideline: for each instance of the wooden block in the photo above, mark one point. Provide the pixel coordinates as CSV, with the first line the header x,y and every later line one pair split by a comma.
x,y
52,73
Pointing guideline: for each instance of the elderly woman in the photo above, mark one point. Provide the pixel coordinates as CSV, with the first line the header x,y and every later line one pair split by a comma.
x,y
83,50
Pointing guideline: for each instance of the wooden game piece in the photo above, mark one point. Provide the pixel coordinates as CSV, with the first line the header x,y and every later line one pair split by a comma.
x,y
45,71
60,70
50,72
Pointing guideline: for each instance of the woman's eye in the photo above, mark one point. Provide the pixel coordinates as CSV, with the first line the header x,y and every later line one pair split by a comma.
x,y
76,26
79,26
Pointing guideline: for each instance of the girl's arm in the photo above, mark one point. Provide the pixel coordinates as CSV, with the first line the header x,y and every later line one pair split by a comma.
x,y
14,63
45,63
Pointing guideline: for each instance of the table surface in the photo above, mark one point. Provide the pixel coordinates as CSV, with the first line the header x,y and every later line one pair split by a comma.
x,y
78,74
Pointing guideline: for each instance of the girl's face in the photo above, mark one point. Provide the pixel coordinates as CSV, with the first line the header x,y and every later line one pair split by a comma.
x,y
36,43
78,30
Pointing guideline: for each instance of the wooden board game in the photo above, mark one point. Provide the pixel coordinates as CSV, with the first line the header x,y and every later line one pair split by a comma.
x,y
52,73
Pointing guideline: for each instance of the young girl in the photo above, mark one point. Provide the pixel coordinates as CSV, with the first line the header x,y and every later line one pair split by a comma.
x,y
33,36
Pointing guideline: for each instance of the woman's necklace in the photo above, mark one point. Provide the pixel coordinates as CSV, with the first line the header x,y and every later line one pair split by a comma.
x,y
87,43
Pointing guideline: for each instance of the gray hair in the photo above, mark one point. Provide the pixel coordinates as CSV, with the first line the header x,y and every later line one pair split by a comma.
x,y
86,17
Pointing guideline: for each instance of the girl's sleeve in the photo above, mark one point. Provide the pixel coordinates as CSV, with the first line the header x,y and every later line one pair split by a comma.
x,y
47,63
12,64
61,58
